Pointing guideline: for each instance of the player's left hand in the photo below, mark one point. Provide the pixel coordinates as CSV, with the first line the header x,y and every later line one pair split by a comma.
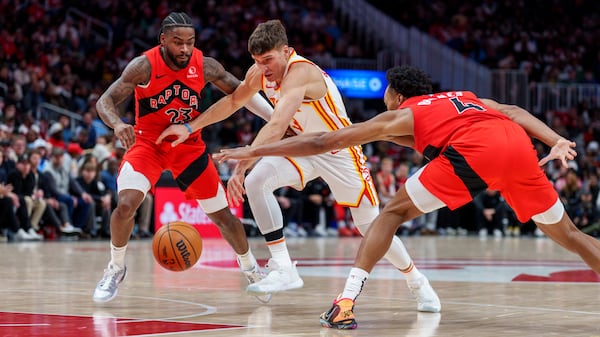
x,y
175,130
563,150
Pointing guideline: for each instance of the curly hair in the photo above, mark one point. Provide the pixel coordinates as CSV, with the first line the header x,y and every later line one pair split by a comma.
x,y
409,81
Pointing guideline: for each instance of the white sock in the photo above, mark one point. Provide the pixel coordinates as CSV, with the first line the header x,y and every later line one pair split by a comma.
x,y
411,273
247,260
117,256
400,258
279,252
354,283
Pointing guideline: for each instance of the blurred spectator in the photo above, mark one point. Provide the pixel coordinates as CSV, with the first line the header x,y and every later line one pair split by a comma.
x,y
7,212
67,190
102,203
25,186
291,202
490,213
108,176
55,136
20,226
56,214
570,195
144,218
386,181
318,209
85,133
65,123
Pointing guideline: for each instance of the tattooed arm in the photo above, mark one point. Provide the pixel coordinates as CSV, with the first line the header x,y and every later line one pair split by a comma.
x,y
136,72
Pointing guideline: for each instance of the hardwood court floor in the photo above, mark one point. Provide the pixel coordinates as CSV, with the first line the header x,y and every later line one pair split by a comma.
x,y
507,287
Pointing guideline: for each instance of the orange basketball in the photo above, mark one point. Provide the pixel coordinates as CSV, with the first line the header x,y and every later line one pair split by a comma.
x,y
177,246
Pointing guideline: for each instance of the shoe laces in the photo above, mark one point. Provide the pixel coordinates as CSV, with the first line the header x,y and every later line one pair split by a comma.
x,y
109,279
342,309
272,265
254,275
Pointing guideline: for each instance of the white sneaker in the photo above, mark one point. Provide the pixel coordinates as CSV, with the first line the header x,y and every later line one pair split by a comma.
x,y
291,231
320,232
483,233
254,275
278,279
70,229
427,299
497,234
22,235
34,235
302,232
106,289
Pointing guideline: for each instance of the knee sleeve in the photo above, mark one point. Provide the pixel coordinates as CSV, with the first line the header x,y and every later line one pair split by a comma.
x,y
552,215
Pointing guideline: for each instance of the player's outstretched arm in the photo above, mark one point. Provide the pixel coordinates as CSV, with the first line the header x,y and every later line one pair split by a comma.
x,y
561,148
381,127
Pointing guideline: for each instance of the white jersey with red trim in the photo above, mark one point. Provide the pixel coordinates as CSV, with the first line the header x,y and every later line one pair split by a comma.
x,y
324,114
344,170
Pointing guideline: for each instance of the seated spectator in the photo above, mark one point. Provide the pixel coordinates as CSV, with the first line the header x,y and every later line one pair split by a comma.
x,y
290,201
68,190
17,220
318,201
9,219
85,133
570,195
25,185
144,218
108,176
490,208
588,220
386,181
56,214
54,136
88,179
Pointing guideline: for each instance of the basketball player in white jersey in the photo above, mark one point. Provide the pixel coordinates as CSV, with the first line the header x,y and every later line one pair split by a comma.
x,y
306,100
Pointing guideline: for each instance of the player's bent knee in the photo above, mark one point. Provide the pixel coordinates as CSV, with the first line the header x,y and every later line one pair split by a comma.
x,y
550,216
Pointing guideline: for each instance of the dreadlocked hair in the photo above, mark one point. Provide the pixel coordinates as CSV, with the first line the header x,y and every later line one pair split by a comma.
x,y
409,81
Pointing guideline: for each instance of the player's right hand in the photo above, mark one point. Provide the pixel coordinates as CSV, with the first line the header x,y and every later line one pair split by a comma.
x,y
177,133
242,152
126,134
564,150
235,189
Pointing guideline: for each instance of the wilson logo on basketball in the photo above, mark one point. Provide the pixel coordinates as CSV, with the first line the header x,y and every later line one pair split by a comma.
x,y
185,254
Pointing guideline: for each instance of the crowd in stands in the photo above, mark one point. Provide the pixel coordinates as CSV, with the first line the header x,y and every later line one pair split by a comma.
x,y
553,41
58,174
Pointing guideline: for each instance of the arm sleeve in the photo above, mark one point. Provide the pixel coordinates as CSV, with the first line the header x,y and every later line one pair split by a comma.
x,y
260,107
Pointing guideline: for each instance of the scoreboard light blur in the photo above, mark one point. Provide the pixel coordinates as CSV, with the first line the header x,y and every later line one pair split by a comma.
x,y
359,83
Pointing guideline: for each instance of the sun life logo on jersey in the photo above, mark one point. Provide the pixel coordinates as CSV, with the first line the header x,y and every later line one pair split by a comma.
x,y
192,72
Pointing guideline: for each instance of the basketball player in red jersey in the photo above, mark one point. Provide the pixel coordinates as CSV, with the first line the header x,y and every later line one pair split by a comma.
x,y
472,144
167,81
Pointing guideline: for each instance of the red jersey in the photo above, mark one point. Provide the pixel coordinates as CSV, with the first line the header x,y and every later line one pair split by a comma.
x,y
170,97
480,149
437,117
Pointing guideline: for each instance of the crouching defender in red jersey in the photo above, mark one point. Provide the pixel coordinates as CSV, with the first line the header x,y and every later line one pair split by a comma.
x,y
473,144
